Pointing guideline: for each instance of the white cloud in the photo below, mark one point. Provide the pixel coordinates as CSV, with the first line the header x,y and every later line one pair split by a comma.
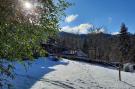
x,y
102,30
80,29
71,18
115,33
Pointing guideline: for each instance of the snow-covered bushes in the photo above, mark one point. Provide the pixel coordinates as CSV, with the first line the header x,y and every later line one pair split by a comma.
x,y
128,67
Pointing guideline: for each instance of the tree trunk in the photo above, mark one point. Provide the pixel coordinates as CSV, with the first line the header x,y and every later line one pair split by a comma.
x,y
120,72
120,69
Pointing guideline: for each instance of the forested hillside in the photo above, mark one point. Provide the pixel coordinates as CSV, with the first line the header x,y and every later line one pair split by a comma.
x,y
97,45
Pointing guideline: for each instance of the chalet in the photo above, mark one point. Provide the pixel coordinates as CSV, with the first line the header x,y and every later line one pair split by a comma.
x,y
77,53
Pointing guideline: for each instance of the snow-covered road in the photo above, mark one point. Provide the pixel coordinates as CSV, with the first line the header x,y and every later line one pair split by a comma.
x,y
66,74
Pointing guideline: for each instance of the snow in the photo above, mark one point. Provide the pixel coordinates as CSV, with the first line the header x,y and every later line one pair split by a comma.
x,y
66,74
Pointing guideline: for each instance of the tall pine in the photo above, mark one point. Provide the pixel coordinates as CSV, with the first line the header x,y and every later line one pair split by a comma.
x,y
124,46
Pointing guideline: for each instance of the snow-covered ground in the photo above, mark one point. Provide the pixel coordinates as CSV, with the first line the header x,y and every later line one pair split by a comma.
x,y
66,74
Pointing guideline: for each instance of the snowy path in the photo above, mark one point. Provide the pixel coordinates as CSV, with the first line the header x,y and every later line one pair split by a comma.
x,y
45,74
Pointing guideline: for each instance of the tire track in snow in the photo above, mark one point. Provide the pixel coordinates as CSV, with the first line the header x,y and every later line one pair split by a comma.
x,y
58,83
64,85
90,80
93,81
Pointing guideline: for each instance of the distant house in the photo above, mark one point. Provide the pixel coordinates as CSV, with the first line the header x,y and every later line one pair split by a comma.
x,y
80,53
77,53
52,47
69,52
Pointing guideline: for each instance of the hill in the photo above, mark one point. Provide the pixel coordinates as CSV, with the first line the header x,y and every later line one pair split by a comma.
x,y
98,45
65,74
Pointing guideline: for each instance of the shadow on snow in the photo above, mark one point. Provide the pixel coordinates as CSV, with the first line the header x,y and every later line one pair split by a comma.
x,y
35,72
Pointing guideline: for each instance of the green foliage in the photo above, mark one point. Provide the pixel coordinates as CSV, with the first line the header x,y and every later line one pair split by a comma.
x,y
22,30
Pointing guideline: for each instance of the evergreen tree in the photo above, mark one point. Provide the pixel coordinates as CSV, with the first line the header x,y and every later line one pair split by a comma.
x,y
124,46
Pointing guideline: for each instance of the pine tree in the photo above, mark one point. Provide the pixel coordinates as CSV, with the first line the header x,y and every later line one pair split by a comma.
x,y
124,46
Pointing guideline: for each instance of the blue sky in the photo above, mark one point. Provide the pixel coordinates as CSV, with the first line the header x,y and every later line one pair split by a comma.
x,y
107,13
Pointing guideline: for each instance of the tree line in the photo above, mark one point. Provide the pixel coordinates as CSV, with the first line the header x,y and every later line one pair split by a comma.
x,y
101,46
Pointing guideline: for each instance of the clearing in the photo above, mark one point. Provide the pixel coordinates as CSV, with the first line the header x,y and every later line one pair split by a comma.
x,y
66,74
